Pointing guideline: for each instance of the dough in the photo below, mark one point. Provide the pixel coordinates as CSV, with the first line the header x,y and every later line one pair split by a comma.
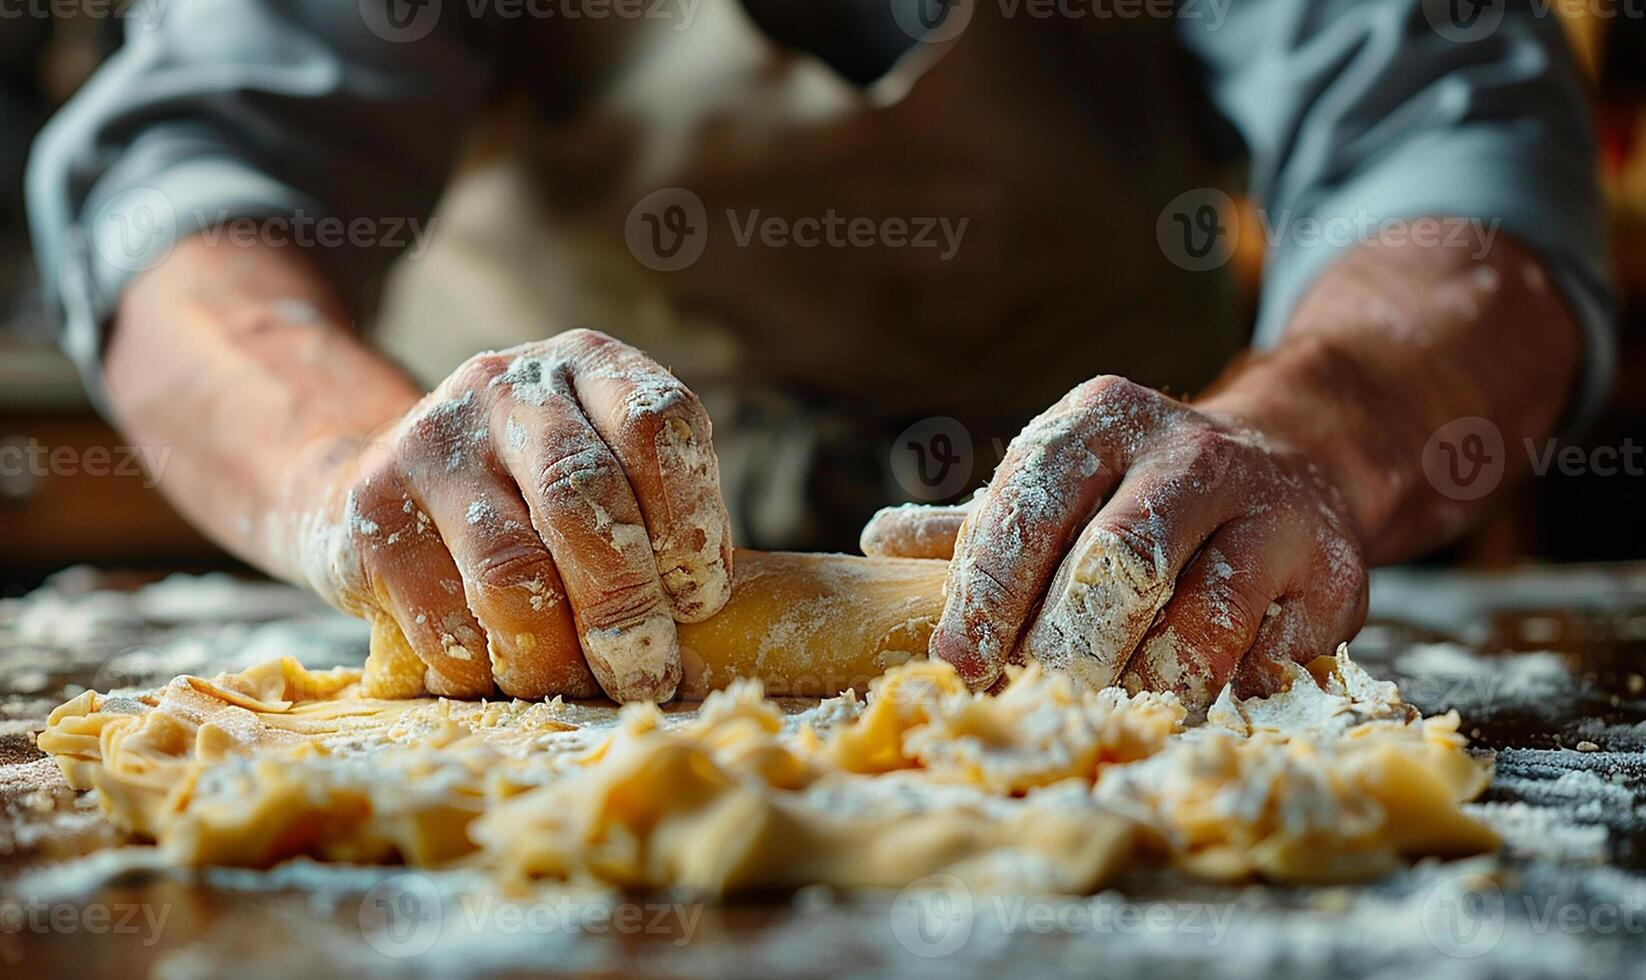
x,y
805,624
1044,787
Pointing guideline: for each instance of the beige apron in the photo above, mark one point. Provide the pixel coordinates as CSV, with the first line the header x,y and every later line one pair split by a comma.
x,y
1049,148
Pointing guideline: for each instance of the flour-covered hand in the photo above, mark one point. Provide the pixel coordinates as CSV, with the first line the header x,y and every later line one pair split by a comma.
x,y
538,523
1131,538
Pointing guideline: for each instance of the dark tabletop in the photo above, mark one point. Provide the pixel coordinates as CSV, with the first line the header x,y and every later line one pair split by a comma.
x,y
1544,665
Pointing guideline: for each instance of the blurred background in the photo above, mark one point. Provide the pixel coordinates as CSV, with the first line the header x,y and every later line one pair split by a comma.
x,y
116,519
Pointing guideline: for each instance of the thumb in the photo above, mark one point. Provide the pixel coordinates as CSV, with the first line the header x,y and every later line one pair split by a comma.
x,y
914,531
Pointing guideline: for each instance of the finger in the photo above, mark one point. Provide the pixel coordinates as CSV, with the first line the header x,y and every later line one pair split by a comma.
x,y
415,581
1283,634
1055,474
1124,567
914,531
510,582
513,588
582,508
1214,614
661,435
1325,606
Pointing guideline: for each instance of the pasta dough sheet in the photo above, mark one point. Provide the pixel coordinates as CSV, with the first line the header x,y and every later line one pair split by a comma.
x,y
1044,786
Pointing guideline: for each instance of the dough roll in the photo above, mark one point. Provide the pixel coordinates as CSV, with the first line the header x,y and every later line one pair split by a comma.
x,y
813,625
803,624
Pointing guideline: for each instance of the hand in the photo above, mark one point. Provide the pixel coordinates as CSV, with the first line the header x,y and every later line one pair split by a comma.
x,y
539,523
1128,537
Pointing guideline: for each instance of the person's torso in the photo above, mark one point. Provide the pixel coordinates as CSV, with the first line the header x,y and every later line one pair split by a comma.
x,y
969,236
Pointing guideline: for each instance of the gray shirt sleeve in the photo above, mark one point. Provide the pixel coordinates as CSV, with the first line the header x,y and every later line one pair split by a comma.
x,y
1359,112
334,123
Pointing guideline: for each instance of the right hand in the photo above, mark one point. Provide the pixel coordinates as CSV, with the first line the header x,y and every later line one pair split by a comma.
x,y
1129,538
538,523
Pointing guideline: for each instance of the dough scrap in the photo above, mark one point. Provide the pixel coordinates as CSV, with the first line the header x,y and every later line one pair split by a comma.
x,y
1333,779
1045,786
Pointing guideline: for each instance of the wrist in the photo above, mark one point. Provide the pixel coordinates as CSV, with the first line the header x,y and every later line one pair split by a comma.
x,y
1316,399
308,520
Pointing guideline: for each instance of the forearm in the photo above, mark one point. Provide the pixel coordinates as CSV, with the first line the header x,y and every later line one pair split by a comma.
x,y
1390,345
241,361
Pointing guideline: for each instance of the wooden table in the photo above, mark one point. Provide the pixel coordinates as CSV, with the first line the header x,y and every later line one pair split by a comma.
x,y
1547,673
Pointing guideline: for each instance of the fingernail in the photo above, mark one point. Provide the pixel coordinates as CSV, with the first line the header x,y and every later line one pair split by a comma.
x,y
959,652
636,662
697,581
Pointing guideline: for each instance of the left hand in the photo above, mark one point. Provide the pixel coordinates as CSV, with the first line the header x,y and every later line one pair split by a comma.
x,y
1128,537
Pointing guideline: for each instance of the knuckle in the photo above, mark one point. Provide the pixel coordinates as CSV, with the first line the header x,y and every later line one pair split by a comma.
x,y
510,564
1212,454
435,444
620,603
583,472
478,372
1215,445
1029,499
1107,389
581,340
372,509
1232,617
648,408
425,432
1136,542
369,454
551,402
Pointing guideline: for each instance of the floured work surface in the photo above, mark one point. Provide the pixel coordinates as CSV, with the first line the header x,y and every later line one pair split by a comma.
x,y
1553,811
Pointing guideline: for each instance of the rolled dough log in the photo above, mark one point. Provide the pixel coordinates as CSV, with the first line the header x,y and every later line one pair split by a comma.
x,y
803,624
813,625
